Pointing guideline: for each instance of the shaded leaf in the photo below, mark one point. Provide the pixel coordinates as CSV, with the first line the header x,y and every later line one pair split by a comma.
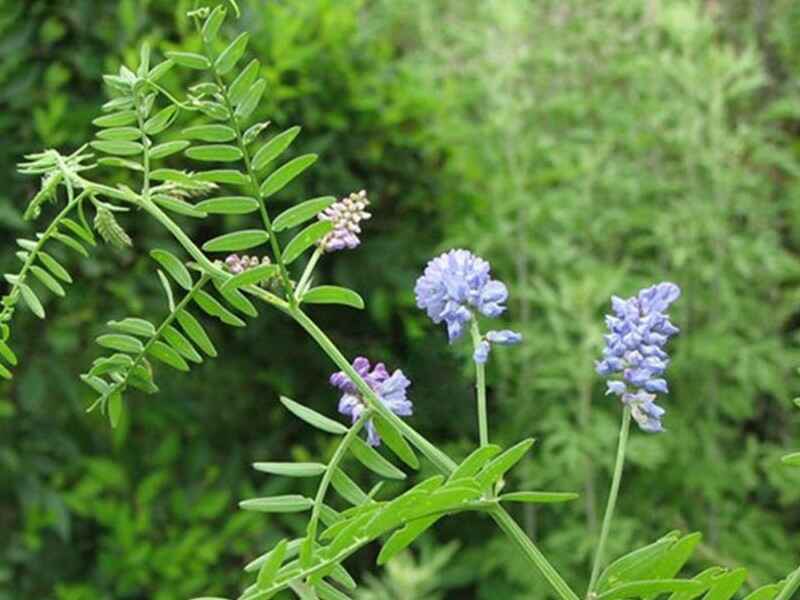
x,y
313,418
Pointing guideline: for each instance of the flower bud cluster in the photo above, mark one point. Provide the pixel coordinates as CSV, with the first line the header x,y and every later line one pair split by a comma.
x,y
346,216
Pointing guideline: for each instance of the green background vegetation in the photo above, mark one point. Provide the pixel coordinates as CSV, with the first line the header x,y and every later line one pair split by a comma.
x,y
585,147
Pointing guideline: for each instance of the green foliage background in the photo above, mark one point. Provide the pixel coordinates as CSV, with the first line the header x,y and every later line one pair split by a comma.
x,y
585,147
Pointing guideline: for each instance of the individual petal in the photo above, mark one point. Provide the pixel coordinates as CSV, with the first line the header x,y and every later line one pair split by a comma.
x,y
481,354
504,337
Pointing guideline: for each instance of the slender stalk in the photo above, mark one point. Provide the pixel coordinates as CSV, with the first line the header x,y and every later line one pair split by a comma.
x,y
145,151
791,586
612,498
254,182
341,450
480,387
312,263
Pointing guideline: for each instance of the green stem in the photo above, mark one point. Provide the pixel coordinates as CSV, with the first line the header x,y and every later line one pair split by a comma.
x,y
612,498
442,461
341,450
273,238
791,586
480,386
145,151
312,263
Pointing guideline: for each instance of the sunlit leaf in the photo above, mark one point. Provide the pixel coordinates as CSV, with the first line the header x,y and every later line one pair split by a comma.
x,y
229,205
228,57
283,175
190,59
304,240
273,148
302,212
173,266
331,294
313,418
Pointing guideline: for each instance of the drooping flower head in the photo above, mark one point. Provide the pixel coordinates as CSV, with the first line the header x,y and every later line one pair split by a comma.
x,y
390,389
638,331
346,214
456,285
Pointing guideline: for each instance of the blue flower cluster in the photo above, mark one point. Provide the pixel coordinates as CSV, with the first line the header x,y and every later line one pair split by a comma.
x,y
638,332
390,389
453,287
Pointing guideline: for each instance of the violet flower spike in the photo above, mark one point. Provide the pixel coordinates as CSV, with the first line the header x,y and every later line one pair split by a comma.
x,y
346,216
638,332
390,390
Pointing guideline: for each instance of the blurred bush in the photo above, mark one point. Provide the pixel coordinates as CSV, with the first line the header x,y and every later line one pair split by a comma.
x,y
585,147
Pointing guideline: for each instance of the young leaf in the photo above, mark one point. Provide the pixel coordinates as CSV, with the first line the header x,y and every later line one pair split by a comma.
x,y
212,307
291,469
282,176
278,504
228,58
161,120
243,82
402,538
250,276
213,23
118,119
167,355
118,147
238,240
214,153
370,458
122,343
160,70
250,100
174,267
210,133
394,440
229,205
168,149
539,497
55,267
190,59
313,418
134,326
331,294
48,280
274,148
115,408
31,300
305,239
301,213
8,353
196,332
268,571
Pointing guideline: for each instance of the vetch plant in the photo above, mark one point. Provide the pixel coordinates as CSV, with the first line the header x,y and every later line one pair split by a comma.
x,y
235,171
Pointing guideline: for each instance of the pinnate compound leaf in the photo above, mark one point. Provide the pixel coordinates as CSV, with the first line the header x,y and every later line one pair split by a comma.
x,y
274,148
237,240
332,294
174,267
291,469
278,504
304,240
313,418
282,176
301,213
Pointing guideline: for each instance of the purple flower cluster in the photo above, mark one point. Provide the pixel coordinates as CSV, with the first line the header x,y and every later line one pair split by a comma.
x,y
505,337
454,286
390,389
346,214
238,264
638,332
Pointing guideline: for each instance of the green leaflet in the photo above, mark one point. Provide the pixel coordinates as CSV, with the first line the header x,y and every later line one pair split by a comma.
x,y
331,294
244,81
55,267
123,343
161,120
639,589
268,571
304,240
134,326
250,276
118,147
371,459
178,342
48,280
229,205
394,440
402,538
495,469
278,504
250,100
118,119
212,307
282,176
347,488
167,355
213,23
168,149
291,469
313,418
274,148
210,133
214,153
301,212
228,57
174,267
238,240
119,133
178,206
195,331
539,497
31,300
190,60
